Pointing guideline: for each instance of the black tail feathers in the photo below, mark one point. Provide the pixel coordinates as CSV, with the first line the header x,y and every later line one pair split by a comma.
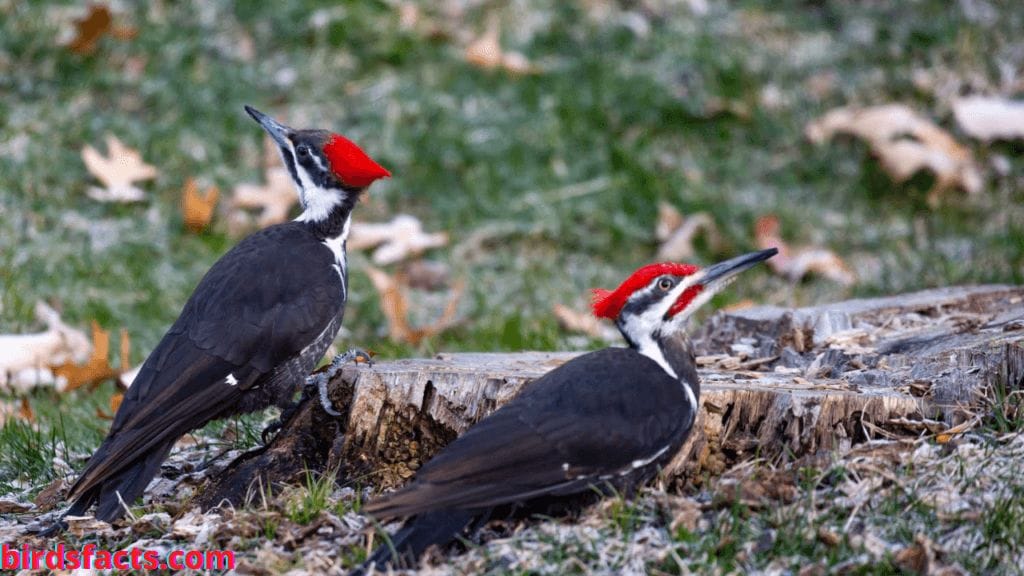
x,y
412,540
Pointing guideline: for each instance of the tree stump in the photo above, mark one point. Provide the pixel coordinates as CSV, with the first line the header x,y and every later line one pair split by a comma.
x,y
776,383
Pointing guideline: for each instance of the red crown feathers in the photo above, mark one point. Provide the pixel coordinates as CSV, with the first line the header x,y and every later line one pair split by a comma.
x,y
351,164
608,303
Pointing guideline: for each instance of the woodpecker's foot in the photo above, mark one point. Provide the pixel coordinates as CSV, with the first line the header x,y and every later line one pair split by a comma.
x,y
320,380
276,425
50,531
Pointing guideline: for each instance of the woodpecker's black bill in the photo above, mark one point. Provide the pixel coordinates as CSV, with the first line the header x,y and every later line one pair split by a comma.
x,y
720,274
279,132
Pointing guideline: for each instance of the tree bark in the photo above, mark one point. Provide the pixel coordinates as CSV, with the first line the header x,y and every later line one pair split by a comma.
x,y
776,383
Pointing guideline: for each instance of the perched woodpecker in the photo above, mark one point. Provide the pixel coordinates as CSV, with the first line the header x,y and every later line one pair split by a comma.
x,y
253,329
610,417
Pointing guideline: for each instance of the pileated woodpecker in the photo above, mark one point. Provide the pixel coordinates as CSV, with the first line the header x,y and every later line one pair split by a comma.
x,y
257,323
610,417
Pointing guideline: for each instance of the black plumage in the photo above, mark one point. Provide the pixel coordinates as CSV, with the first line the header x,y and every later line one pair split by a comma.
x,y
610,418
255,326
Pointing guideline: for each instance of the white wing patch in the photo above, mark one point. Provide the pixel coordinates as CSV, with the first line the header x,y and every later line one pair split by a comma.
x,y
645,461
231,380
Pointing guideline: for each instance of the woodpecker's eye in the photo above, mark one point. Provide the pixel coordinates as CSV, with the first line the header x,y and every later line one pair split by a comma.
x,y
302,151
665,284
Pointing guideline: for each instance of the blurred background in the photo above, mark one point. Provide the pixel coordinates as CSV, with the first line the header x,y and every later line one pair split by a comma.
x,y
538,149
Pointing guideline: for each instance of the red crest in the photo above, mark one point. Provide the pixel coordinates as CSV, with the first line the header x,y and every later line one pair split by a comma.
x,y
351,164
608,303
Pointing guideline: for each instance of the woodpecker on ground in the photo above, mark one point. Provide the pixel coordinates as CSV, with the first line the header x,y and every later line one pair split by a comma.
x,y
608,418
253,329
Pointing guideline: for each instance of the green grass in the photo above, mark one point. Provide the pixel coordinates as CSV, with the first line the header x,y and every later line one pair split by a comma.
x,y
311,499
566,167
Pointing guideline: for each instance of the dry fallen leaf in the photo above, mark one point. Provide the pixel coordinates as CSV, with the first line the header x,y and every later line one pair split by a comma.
x,y
115,403
197,208
93,26
394,304
486,52
677,232
25,358
274,199
795,263
399,239
585,323
990,118
118,171
97,368
905,143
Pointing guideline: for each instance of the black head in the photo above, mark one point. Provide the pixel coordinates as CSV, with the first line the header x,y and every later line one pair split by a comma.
x,y
327,168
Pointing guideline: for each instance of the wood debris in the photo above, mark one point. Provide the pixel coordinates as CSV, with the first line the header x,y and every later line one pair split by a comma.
x,y
25,358
97,368
401,238
486,51
118,172
394,303
904,142
796,262
676,233
987,118
97,23
585,323
197,208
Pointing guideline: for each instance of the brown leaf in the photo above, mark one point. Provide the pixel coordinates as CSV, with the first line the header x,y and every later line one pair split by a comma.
x,y
990,118
96,369
905,143
115,403
273,199
24,358
582,322
795,263
394,304
49,497
677,232
486,52
197,208
397,240
118,172
90,29
93,26
25,412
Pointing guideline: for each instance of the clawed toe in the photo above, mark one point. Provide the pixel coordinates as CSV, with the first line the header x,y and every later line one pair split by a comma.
x,y
321,379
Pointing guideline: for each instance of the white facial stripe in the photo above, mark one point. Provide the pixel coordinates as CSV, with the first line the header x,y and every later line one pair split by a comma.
x,y
319,163
317,203
643,326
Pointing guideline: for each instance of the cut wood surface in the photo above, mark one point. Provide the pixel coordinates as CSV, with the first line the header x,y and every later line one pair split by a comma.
x,y
776,383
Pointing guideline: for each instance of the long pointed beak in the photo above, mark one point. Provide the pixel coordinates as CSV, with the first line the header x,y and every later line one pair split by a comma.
x,y
279,132
718,275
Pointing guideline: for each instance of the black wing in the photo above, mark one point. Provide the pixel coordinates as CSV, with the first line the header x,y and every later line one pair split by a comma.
x,y
562,434
258,306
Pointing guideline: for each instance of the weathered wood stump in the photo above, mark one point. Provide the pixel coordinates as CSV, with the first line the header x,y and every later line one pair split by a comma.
x,y
776,383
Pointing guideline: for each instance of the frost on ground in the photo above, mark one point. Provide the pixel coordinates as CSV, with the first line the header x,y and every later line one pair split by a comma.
x,y
894,504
